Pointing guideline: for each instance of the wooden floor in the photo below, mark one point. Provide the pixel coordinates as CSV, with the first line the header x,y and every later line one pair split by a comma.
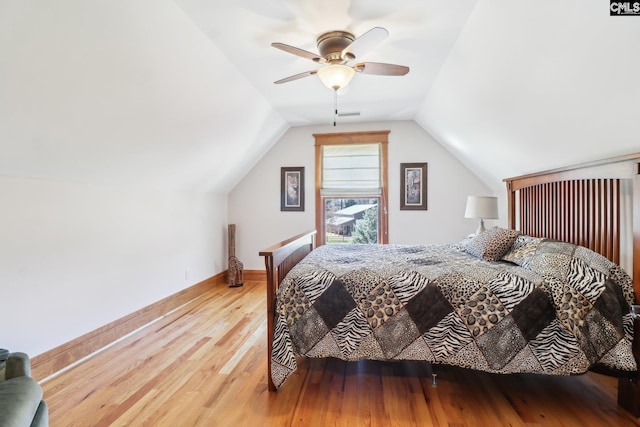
x,y
205,365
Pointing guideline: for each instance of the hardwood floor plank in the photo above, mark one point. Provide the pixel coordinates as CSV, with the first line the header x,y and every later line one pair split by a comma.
x,y
205,365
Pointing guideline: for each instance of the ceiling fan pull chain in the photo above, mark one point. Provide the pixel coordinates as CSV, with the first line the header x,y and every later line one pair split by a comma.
x,y
335,106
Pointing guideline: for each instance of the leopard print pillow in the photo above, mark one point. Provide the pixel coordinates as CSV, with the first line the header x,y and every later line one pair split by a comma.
x,y
523,250
492,244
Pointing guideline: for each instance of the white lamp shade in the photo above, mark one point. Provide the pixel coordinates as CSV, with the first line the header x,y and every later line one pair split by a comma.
x,y
481,207
335,76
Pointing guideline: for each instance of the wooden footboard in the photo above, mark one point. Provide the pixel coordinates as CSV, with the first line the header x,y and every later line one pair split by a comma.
x,y
279,259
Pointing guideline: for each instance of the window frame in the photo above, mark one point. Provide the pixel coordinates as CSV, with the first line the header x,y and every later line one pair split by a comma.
x,y
345,138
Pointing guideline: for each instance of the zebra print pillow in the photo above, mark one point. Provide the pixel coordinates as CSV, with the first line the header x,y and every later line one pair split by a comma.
x,y
492,244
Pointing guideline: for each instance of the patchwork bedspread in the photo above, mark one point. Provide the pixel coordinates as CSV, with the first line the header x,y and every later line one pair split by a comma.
x,y
561,310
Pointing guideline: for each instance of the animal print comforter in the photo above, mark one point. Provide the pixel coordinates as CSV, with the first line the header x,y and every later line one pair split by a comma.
x,y
561,310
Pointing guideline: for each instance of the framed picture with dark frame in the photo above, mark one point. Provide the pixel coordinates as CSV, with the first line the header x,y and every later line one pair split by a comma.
x,y
413,186
292,189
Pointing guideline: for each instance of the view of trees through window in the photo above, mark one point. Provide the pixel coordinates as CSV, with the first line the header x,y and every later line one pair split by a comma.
x,y
351,220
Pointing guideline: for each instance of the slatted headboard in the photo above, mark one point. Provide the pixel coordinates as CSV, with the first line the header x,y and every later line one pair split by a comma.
x,y
585,204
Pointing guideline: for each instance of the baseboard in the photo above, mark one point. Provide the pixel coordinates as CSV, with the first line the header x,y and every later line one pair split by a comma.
x,y
255,275
56,359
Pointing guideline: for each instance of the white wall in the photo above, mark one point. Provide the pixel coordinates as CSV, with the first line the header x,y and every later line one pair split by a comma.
x,y
75,257
254,204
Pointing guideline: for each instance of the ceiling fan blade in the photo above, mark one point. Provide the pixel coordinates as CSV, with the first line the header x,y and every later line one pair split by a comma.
x,y
365,43
295,77
299,52
380,69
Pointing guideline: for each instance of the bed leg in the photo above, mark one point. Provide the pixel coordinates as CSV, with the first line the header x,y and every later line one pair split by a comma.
x,y
434,376
629,395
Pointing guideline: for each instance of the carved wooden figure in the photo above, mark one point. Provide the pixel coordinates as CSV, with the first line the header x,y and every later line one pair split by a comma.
x,y
236,269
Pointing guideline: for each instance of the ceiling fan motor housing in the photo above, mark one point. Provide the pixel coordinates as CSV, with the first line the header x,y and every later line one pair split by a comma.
x,y
332,43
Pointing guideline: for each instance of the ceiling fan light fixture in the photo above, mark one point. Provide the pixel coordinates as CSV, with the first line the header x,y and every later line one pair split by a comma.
x,y
335,76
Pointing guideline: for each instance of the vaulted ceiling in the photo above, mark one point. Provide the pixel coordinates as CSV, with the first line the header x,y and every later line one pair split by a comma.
x,y
180,95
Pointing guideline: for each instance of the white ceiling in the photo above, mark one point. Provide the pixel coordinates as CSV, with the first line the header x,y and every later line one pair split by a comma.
x,y
180,94
422,33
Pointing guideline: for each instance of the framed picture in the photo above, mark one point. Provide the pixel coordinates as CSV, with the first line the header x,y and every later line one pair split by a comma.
x,y
292,189
413,186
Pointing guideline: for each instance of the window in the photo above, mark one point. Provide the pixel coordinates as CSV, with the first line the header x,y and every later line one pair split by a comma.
x,y
351,187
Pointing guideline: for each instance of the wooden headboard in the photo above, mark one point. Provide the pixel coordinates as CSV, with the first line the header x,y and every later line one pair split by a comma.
x,y
583,204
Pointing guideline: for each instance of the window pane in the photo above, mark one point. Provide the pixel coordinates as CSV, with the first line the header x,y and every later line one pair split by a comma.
x,y
351,220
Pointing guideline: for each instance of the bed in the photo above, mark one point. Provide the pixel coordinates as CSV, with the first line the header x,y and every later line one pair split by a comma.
x,y
549,298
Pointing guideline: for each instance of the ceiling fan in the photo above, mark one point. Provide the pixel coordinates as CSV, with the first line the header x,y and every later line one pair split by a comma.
x,y
337,50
